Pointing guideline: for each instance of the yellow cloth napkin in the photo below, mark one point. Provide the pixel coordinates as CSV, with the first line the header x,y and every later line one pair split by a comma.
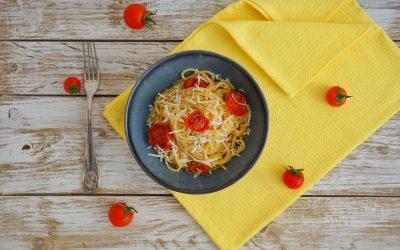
x,y
295,50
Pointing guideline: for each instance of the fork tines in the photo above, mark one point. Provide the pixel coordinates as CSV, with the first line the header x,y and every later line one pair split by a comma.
x,y
90,62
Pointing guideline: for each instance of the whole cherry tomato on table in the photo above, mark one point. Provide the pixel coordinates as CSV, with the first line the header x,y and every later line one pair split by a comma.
x,y
137,16
72,85
198,168
293,178
159,135
191,82
120,214
336,96
236,103
196,121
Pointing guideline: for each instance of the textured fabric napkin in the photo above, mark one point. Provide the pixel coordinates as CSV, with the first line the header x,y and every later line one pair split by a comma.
x,y
295,50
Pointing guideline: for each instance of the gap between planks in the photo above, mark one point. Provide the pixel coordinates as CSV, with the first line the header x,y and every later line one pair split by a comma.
x,y
106,41
170,195
58,95
98,40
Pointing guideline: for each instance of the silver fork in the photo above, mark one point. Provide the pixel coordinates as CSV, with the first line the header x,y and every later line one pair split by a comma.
x,y
91,78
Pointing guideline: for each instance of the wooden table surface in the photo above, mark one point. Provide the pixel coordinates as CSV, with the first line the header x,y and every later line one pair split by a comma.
x,y
42,141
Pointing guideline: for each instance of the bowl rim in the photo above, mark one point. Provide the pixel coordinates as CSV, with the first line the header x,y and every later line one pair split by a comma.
x,y
169,58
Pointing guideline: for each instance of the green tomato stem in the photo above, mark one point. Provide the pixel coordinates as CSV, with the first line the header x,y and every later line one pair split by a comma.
x,y
148,18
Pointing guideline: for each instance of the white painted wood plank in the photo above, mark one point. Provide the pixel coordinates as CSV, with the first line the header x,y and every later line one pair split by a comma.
x,y
42,142
41,67
333,223
72,222
102,19
386,13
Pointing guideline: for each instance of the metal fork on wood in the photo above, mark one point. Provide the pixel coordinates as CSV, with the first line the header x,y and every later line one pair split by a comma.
x,y
91,78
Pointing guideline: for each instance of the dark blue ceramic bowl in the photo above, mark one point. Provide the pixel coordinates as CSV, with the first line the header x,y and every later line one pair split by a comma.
x,y
159,77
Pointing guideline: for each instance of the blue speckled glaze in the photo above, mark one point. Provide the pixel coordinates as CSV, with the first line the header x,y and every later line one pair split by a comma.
x,y
159,77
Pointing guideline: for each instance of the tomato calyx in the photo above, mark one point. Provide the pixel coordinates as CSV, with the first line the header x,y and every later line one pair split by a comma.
x,y
128,209
294,171
148,18
73,89
340,96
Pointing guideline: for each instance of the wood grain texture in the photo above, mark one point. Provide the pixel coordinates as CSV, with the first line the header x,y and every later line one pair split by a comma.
x,y
43,138
102,19
39,68
81,222
42,141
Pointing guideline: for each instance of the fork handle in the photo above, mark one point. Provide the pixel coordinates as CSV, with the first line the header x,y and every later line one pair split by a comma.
x,y
91,177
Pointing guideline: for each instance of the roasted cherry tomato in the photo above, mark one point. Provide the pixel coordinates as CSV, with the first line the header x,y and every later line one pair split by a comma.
x,y
293,178
72,85
336,96
196,121
159,135
120,214
236,103
198,168
136,16
192,81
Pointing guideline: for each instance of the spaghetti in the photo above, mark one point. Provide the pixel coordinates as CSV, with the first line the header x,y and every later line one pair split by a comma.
x,y
199,123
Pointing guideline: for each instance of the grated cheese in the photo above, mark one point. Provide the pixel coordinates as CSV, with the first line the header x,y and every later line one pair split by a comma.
x,y
176,131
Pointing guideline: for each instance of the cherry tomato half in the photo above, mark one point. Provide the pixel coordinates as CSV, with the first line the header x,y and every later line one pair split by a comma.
x,y
136,16
293,178
159,135
236,103
198,168
192,81
336,96
120,214
196,121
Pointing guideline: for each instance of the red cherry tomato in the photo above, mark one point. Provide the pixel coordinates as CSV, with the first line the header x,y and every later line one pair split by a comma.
x,y
198,168
336,96
120,214
136,16
192,81
293,178
72,85
159,135
196,121
236,103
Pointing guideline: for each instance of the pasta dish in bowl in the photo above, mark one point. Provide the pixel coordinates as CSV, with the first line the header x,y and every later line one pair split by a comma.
x,y
199,123
196,122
